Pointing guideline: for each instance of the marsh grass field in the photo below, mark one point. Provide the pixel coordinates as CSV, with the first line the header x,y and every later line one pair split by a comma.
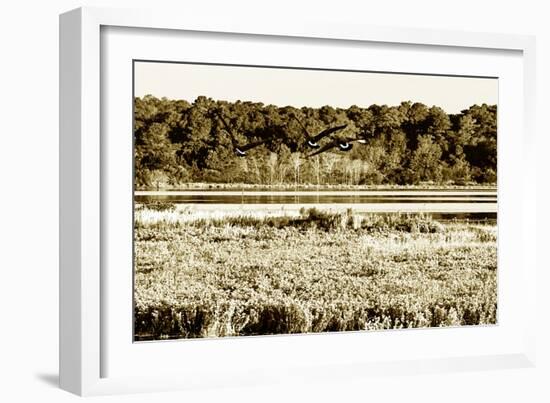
x,y
215,273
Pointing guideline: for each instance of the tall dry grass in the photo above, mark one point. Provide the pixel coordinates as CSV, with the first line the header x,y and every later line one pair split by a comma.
x,y
315,272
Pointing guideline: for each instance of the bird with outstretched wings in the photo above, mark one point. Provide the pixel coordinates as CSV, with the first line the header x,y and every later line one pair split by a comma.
x,y
344,144
313,141
239,149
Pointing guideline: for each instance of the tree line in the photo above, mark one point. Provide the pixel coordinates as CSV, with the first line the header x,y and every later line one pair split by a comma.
x,y
177,142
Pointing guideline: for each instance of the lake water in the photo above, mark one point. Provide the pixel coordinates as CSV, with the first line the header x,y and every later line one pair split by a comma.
x,y
442,203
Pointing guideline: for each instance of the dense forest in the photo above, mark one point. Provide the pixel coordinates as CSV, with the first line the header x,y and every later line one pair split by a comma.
x,y
177,142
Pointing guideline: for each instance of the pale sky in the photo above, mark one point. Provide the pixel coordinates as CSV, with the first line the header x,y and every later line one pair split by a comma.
x,y
311,88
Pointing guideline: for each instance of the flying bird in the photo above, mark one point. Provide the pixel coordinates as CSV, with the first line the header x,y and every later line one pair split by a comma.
x,y
239,149
343,144
313,141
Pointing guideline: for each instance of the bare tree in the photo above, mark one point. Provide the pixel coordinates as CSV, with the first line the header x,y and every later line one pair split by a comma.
x,y
349,173
284,157
272,165
244,169
357,169
317,168
329,161
159,179
256,170
296,160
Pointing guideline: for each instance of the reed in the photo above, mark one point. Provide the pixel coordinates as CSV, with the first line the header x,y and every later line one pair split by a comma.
x,y
314,272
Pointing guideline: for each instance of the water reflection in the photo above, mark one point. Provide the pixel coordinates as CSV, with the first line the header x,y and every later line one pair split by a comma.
x,y
311,199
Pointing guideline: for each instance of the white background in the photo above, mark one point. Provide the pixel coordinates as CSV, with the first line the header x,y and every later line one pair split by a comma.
x,y
29,201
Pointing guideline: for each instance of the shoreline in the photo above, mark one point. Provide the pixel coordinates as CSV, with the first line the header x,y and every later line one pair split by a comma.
x,y
313,187
278,193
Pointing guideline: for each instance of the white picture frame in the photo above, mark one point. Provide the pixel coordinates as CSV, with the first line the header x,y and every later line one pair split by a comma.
x,y
84,306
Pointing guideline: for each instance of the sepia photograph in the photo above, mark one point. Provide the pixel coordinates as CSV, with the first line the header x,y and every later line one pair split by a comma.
x,y
277,200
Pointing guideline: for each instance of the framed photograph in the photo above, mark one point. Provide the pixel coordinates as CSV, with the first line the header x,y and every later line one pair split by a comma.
x,y
244,202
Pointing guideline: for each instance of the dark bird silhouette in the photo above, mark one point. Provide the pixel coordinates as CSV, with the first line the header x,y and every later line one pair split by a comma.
x,y
239,149
313,141
343,144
